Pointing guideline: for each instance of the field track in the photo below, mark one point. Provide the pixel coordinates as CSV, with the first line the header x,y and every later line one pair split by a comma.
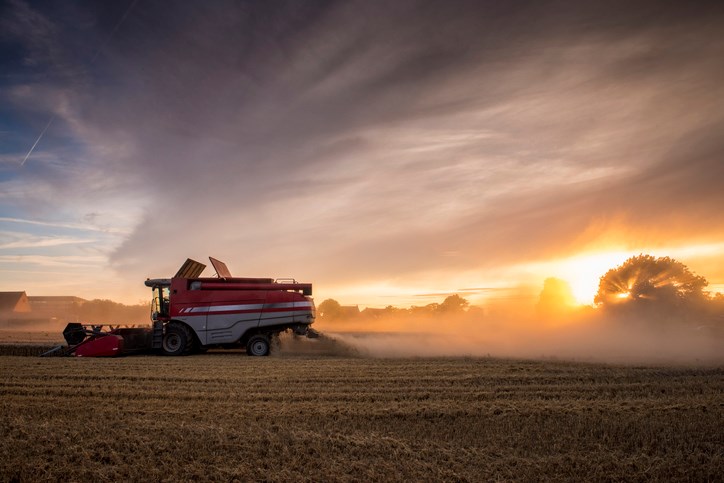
x,y
229,417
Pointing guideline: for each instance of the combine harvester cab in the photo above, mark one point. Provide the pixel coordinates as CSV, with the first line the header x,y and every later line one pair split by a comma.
x,y
192,313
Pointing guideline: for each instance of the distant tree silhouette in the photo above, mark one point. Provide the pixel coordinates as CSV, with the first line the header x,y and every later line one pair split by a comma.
x,y
452,304
645,280
329,309
426,311
393,311
99,311
555,298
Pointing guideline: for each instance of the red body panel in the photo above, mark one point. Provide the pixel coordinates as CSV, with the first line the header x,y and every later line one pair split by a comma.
x,y
184,301
103,346
253,286
214,297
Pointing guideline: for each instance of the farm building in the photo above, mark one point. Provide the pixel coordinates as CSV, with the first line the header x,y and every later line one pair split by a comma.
x,y
349,311
14,303
373,312
55,306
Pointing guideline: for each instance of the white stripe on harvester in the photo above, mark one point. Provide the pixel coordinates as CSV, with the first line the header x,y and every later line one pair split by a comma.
x,y
238,308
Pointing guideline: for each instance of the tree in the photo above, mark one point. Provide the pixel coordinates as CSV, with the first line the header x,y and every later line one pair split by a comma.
x,y
99,311
330,309
453,304
556,298
648,280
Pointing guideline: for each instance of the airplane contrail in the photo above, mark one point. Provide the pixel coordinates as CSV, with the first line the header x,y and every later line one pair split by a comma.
x,y
37,141
113,32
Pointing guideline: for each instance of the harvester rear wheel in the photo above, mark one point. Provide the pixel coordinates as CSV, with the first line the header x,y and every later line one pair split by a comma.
x,y
177,340
258,345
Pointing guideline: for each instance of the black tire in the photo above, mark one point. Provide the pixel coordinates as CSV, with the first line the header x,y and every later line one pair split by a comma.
x,y
258,345
177,340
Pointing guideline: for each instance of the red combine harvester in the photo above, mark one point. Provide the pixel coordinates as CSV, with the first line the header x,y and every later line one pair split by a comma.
x,y
192,313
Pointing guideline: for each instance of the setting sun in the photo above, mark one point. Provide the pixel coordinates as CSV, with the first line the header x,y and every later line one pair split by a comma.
x,y
584,271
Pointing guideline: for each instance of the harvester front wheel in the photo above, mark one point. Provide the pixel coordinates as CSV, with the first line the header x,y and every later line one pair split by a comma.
x,y
258,345
177,340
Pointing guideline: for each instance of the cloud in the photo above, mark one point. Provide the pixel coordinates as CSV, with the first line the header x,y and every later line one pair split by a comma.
x,y
334,141
73,226
64,262
15,240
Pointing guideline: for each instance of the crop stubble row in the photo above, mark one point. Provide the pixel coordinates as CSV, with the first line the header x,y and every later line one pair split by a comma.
x,y
226,416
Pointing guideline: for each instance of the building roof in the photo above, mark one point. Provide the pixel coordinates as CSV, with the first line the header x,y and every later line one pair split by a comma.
x,y
9,300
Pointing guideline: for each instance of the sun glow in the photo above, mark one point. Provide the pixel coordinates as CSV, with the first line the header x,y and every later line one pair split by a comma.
x,y
584,271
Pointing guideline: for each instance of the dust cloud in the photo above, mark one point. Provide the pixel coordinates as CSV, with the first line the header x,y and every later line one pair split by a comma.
x,y
586,335
326,345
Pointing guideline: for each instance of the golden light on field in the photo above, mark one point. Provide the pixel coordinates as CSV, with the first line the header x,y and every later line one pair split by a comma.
x,y
431,413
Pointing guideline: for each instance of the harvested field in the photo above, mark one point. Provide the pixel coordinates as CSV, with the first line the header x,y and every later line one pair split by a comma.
x,y
49,337
226,416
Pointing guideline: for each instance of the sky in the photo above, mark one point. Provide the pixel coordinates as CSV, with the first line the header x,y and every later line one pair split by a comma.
x,y
391,153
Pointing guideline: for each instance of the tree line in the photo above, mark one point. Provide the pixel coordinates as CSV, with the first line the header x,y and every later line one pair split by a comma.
x,y
330,309
642,285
